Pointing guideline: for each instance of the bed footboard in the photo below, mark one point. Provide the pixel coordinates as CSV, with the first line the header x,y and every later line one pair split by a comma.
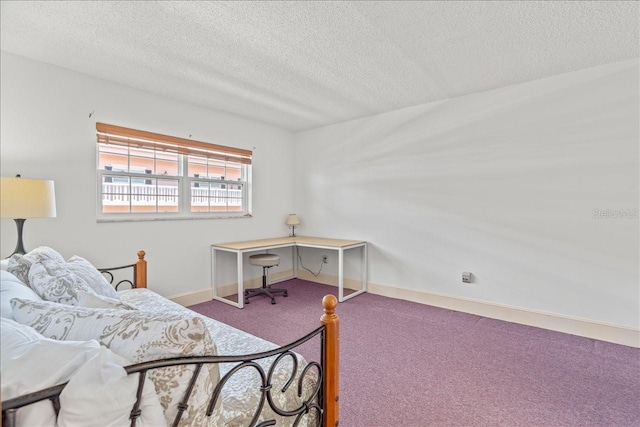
x,y
138,278
323,400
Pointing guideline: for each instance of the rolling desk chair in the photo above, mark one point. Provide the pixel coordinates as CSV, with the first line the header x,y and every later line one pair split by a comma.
x,y
265,261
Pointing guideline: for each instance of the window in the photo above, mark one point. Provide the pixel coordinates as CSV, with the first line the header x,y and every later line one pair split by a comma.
x,y
143,175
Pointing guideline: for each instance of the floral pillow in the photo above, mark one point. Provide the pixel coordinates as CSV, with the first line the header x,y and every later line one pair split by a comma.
x,y
91,300
137,336
19,265
54,282
78,269
91,276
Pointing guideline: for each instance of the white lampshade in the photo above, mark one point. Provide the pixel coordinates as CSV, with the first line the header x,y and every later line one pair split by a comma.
x,y
27,198
292,219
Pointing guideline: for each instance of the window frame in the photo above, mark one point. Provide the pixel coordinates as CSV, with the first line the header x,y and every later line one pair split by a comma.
x,y
183,148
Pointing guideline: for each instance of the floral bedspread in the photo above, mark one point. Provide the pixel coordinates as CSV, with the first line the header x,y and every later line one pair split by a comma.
x,y
241,394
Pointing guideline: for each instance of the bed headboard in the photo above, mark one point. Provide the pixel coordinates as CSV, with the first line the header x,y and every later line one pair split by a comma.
x,y
138,276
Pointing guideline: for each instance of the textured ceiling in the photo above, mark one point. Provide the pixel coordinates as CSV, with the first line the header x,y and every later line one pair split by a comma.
x,y
300,65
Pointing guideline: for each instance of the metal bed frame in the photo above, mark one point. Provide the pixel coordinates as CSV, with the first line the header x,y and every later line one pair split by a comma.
x,y
314,402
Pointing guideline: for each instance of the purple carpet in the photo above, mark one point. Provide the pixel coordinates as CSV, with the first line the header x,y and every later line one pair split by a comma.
x,y
407,364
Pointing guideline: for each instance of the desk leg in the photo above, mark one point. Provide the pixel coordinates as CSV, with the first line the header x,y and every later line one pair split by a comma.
x,y
340,275
365,264
294,260
214,288
240,282
363,276
214,285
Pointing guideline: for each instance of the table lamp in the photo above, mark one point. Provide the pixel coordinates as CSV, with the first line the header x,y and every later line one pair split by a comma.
x,y
22,198
292,221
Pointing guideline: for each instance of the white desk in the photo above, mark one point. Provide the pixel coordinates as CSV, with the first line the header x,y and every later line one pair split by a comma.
x,y
240,248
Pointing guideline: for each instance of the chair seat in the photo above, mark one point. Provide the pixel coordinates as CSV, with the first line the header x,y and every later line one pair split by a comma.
x,y
264,260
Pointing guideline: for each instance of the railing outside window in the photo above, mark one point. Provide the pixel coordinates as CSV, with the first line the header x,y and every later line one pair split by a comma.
x,y
164,195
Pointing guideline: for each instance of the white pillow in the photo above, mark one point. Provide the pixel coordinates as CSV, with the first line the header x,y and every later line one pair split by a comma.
x,y
19,379
53,281
85,270
113,394
89,300
11,287
19,265
138,336
86,366
14,335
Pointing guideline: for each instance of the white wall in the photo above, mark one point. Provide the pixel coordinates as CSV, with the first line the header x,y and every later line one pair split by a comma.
x,y
502,184
46,132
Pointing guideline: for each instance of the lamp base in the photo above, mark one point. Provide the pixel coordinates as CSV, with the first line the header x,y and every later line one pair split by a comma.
x,y
19,246
293,231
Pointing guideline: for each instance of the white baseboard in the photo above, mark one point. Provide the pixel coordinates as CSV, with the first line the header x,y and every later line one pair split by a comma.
x,y
204,295
554,322
191,298
328,279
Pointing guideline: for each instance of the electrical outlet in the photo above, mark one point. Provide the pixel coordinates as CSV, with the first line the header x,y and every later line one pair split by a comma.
x,y
466,277
325,260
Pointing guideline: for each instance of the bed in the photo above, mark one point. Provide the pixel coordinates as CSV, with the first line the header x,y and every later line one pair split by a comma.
x,y
236,379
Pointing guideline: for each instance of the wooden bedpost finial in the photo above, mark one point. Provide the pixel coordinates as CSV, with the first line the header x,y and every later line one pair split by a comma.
x,y
141,254
329,303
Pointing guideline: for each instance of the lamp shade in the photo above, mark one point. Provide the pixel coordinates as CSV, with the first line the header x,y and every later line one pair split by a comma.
x,y
27,198
292,219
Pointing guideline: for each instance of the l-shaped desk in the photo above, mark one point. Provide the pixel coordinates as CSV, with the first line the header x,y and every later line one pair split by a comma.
x,y
240,248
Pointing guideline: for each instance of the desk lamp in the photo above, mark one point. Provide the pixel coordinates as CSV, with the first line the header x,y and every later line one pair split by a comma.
x,y
22,198
292,221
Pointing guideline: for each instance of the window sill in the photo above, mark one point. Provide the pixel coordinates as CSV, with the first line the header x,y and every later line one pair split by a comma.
x,y
172,218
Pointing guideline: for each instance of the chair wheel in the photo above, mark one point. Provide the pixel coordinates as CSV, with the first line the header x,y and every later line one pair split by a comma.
x,y
273,301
